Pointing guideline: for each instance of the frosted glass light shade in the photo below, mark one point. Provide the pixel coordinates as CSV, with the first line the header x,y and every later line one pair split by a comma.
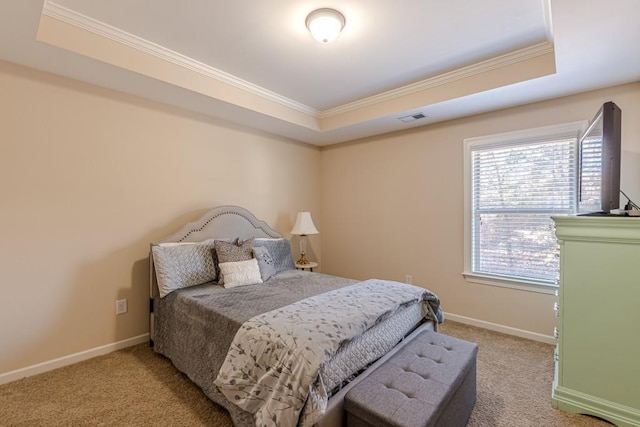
x,y
325,25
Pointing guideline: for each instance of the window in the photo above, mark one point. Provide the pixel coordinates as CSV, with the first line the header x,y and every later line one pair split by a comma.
x,y
591,171
514,183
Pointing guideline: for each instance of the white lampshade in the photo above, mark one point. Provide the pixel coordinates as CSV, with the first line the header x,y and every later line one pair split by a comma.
x,y
304,224
325,25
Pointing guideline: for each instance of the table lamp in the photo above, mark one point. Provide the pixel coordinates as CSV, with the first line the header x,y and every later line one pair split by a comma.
x,y
303,227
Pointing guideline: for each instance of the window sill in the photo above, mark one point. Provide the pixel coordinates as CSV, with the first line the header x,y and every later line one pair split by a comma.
x,y
523,285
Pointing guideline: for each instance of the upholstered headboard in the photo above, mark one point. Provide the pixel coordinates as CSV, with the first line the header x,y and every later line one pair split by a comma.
x,y
219,223
223,222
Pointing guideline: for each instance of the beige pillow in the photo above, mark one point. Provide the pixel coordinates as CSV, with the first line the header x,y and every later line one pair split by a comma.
x,y
231,252
240,273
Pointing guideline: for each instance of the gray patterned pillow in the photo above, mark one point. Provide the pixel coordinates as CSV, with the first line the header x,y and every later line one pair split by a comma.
x,y
280,251
265,262
231,252
182,265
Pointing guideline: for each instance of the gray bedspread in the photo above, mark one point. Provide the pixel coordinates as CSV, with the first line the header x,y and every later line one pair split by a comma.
x,y
273,366
195,327
213,314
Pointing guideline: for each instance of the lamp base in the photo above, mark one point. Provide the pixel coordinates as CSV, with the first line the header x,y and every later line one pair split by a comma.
x,y
303,259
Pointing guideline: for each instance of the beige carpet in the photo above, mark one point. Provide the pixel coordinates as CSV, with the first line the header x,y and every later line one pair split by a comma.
x,y
136,387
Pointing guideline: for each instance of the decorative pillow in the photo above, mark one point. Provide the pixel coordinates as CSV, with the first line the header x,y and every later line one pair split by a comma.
x,y
183,265
231,252
208,242
265,262
280,251
240,273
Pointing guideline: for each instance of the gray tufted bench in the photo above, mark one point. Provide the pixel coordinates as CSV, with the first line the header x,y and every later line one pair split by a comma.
x,y
431,381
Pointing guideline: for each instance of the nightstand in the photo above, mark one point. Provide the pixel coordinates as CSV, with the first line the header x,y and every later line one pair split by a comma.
x,y
310,265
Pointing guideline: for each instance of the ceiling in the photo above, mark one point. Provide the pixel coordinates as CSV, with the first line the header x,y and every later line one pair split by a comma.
x,y
254,63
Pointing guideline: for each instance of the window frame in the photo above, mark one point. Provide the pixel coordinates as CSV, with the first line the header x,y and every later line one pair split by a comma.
x,y
545,133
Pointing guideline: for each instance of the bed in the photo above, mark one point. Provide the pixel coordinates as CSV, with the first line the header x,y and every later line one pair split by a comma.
x,y
235,341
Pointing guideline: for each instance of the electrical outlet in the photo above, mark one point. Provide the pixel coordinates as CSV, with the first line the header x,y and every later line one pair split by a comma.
x,y
408,279
121,306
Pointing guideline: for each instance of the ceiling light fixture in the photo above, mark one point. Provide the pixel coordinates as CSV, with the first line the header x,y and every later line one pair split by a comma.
x,y
325,24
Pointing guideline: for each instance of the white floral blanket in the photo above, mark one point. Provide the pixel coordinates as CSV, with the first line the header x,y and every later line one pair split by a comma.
x,y
272,366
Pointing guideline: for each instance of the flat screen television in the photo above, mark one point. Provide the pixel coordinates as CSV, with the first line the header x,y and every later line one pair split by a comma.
x,y
599,162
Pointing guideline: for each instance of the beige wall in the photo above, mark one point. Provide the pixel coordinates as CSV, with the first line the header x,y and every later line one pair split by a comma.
x,y
393,205
88,178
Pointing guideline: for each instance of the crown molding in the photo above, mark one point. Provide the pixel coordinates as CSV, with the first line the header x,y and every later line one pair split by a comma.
x,y
102,29
61,13
446,78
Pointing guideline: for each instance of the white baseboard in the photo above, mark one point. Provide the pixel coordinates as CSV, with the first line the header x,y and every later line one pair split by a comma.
x,y
548,339
99,351
71,359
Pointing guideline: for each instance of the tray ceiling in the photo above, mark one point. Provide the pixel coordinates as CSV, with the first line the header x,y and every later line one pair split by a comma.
x,y
254,63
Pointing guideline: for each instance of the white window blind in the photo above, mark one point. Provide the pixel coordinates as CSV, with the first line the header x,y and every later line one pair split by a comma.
x,y
516,183
591,164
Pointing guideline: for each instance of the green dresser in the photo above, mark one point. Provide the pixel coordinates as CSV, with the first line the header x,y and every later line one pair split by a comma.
x,y
597,369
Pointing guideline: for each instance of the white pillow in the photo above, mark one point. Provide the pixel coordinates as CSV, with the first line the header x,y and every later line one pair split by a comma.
x,y
181,266
240,273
